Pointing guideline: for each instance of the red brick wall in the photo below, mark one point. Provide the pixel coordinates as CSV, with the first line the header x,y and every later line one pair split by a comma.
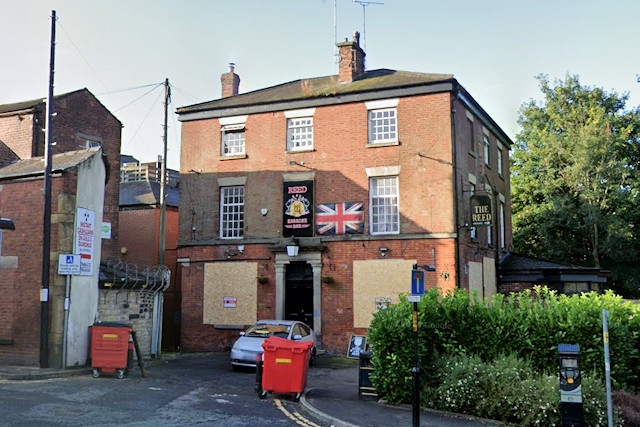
x,y
340,158
81,112
20,302
16,131
139,234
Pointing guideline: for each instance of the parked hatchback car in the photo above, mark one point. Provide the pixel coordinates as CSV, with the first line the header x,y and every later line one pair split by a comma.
x,y
248,347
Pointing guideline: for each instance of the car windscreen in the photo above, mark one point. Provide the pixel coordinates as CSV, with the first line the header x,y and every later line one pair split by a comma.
x,y
264,330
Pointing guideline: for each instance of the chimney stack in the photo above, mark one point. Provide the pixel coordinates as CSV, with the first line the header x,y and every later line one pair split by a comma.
x,y
351,56
230,82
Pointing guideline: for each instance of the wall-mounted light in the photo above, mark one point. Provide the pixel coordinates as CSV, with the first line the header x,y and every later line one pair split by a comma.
x,y
383,251
293,248
241,249
301,164
185,262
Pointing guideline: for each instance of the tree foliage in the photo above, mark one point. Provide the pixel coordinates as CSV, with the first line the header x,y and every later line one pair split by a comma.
x,y
575,180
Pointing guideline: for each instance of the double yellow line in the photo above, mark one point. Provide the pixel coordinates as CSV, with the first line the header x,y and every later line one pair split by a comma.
x,y
295,417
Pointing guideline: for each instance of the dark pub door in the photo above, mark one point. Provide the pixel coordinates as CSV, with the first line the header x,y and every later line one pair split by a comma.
x,y
298,297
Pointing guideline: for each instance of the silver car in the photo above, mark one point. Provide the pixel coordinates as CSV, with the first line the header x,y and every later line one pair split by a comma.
x,y
248,348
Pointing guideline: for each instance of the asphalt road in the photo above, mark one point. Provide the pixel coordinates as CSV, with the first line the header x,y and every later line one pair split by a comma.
x,y
183,391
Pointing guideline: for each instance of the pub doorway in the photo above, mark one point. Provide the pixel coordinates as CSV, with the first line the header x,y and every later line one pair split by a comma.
x,y
298,297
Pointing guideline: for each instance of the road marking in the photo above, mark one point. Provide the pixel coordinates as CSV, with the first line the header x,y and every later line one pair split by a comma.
x,y
295,417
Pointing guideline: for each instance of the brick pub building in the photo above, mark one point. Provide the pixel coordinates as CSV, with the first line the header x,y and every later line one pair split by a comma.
x,y
366,173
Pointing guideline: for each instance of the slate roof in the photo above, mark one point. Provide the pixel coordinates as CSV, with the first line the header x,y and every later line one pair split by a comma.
x,y
33,103
322,87
512,261
146,193
35,166
519,268
27,105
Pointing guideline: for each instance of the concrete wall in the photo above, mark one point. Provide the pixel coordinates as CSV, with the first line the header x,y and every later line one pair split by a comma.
x,y
84,289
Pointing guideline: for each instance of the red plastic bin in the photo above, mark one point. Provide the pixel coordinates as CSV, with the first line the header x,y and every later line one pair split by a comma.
x,y
284,367
110,348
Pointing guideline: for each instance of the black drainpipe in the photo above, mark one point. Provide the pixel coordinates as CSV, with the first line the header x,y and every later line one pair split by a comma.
x,y
454,98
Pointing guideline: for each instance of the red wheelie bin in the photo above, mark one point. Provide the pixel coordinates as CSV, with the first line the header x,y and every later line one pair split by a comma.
x,y
284,366
110,348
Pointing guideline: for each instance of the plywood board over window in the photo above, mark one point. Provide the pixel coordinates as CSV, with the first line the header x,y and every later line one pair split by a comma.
x,y
225,280
372,279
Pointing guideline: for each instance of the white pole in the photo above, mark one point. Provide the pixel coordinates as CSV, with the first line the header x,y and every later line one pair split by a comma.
x,y
67,303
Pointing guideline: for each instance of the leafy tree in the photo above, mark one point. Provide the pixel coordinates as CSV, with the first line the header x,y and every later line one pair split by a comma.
x,y
575,180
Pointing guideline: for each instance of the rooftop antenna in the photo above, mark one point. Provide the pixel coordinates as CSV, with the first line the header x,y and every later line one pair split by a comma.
x,y
364,5
336,57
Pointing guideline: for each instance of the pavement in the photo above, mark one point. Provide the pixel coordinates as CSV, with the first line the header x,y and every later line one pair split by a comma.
x,y
332,394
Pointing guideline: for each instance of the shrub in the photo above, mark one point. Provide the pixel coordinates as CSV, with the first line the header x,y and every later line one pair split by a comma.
x,y
629,405
508,390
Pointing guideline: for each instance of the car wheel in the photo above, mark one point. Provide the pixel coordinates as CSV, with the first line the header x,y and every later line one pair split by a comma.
x,y
312,358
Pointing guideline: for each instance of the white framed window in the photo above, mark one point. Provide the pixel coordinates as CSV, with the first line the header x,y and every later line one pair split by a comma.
x,y
232,212
233,140
383,125
299,133
88,141
384,208
499,158
486,150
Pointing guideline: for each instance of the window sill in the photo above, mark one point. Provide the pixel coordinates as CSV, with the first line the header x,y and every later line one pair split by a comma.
x,y
306,150
234,157
382,144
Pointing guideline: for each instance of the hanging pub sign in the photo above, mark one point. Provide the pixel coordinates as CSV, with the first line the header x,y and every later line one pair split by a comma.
x,y
480,211
297,218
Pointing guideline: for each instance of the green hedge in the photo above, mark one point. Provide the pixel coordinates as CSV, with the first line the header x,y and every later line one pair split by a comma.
x,y
529,325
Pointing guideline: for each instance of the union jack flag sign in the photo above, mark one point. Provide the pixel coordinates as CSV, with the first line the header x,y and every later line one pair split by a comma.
x,y
340,218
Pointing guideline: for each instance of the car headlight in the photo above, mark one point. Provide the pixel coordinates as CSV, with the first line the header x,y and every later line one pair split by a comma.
x,y
235,346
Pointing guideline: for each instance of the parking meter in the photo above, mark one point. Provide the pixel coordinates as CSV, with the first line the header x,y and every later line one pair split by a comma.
x,y
570,385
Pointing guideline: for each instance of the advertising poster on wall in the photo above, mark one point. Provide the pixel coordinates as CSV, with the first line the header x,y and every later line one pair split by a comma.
x,y
297,220
85,231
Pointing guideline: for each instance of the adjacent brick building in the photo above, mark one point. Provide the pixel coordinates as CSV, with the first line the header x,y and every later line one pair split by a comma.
x,y
86,155
366,172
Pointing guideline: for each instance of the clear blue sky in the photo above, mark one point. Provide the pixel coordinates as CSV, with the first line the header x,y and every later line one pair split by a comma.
x,y
495,48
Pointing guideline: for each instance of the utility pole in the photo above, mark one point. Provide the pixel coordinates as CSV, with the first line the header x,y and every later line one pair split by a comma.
x,y
46,226
163,178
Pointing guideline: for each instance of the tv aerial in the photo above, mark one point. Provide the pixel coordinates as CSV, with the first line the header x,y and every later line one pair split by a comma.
x,y
364,5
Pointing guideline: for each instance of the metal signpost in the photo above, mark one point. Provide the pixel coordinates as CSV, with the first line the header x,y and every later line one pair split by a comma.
x,y
417,290
68,265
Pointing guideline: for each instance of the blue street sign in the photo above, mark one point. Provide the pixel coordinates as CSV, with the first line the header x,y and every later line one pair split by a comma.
x,y
417,282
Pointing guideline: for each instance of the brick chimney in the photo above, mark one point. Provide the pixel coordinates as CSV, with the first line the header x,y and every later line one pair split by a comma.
x,y
230,82
351,56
